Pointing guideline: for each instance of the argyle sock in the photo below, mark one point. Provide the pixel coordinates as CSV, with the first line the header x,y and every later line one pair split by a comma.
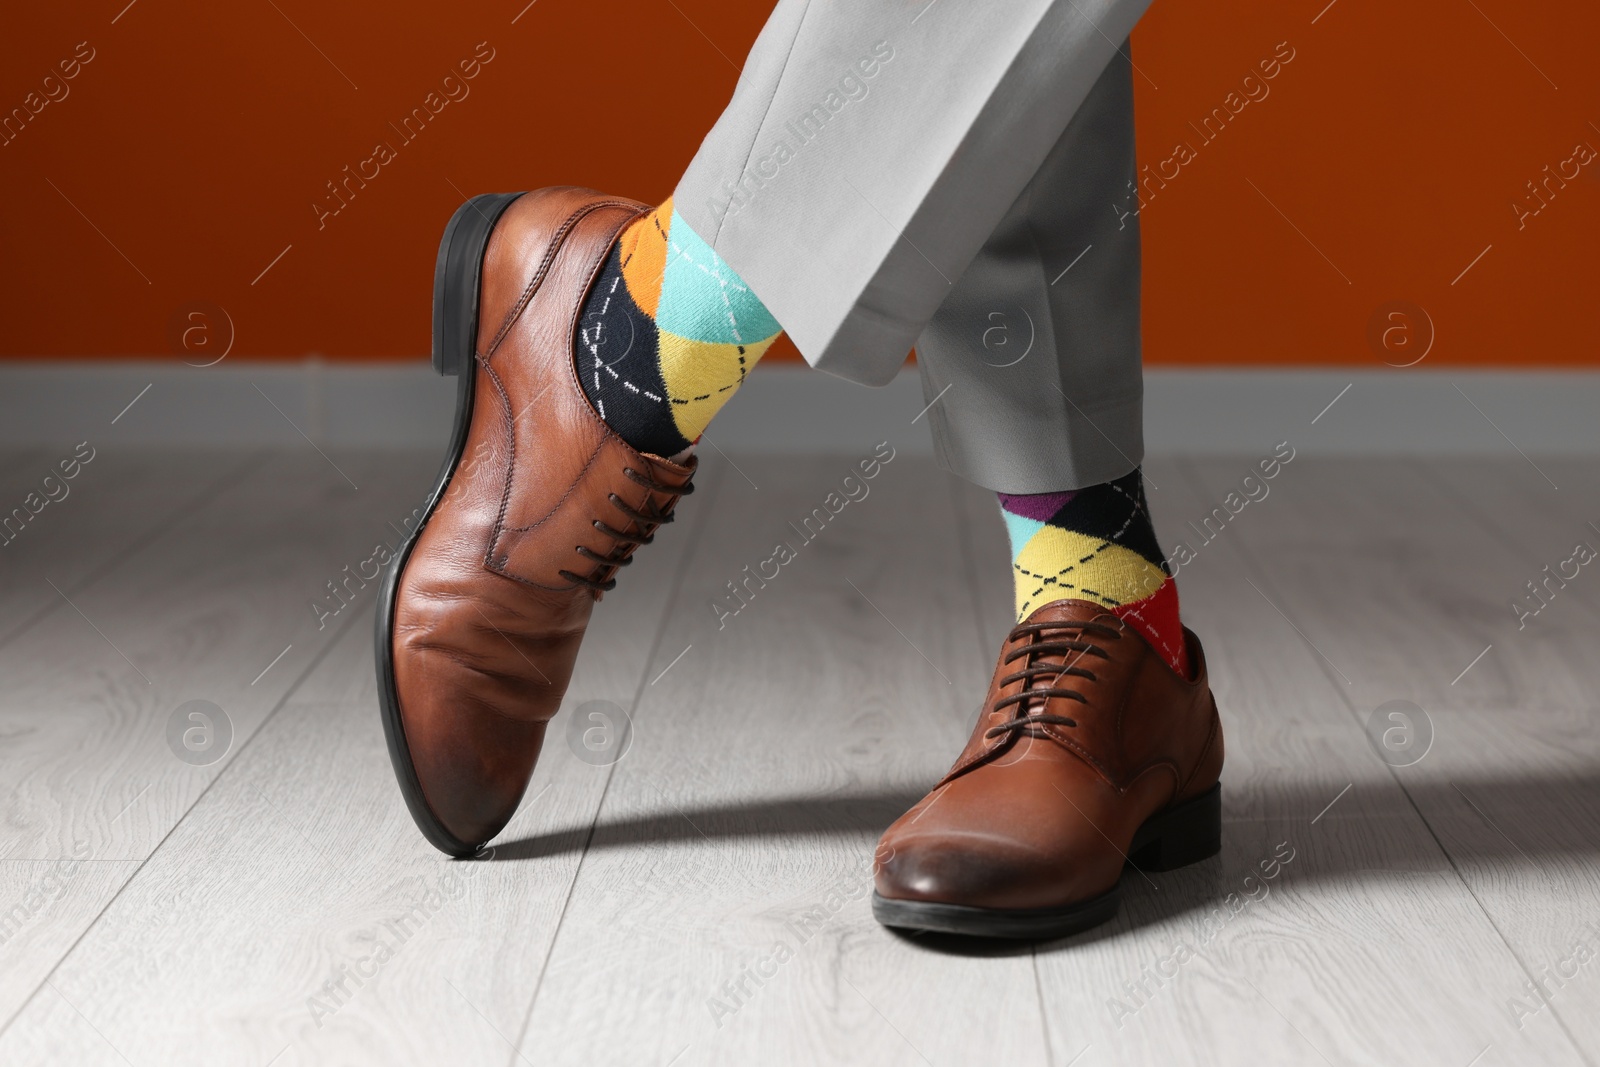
x,y
667,335
1096,544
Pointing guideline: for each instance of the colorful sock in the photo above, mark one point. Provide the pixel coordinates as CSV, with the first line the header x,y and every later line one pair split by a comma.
x,y
668,333
1096,544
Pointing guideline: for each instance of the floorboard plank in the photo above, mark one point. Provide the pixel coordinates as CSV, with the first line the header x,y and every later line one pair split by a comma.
x,y
1512,786
1330,959
202,612
721,914
84,748
114,505
300,867
634,911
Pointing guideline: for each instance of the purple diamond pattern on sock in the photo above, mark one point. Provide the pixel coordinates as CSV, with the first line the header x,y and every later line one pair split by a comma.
x,y
1040,507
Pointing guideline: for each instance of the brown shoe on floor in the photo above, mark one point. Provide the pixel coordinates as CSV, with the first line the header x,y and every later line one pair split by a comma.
x,y
536,507
1089,755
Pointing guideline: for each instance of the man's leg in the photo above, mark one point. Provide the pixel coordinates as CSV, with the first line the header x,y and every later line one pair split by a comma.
x,y
871,149
867,156
666,335
593,338
1034,361
1034,357
845,119
1098,740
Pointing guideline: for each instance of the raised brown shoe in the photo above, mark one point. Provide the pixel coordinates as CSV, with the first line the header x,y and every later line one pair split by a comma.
x,y
536,507
1090,755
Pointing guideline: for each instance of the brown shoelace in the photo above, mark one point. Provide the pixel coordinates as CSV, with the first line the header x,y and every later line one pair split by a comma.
x,y
1038,645
621,552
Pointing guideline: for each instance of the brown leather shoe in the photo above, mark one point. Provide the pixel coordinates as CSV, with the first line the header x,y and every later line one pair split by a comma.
x,y
1089,755
536,507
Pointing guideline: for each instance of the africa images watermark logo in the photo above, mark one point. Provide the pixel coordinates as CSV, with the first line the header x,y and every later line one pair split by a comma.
x,y
801,130
199,732
1253,88
742,590
53,89
452,88
599,732
52,490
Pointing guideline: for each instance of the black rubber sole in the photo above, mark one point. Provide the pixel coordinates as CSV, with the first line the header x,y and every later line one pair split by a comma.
x,y
456,277
1177,837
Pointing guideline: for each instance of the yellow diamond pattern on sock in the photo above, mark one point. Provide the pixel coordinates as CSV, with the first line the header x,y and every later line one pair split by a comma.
x,y
668,332
701,375
1059,564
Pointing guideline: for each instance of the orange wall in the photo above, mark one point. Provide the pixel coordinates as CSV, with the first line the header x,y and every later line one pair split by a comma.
x,y
185,156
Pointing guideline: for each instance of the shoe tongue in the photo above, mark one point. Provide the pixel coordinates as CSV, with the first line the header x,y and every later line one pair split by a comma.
x,y
668,471
1073,611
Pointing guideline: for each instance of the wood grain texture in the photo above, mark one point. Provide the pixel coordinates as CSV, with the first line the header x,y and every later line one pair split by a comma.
x,y
216,573
1511,786
197,613
1375,577
720,915
633,912
44,906
333,933
112,507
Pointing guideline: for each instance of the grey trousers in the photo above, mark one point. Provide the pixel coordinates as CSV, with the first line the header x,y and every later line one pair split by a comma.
x,y
892,175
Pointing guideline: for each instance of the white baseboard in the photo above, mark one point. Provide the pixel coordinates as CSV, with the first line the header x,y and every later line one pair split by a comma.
x,y
788,409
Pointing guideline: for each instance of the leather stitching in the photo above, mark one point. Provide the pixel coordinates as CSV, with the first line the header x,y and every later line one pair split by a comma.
x,y
556,242
588,463
1084,754
489,561
509,429
577,311
1072,745
964,765
552,248
572,377
1163,764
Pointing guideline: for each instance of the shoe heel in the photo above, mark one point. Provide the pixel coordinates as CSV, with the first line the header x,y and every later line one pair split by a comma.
x,y
1186,834
456,276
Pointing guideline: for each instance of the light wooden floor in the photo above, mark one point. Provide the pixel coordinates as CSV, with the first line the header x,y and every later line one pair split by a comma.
x,y
278,907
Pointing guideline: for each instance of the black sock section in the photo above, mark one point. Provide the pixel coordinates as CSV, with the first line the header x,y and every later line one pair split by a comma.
x,y
619,366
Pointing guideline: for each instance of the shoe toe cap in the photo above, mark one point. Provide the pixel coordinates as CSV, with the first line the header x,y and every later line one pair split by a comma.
x,y
972,869
473,799
1001,836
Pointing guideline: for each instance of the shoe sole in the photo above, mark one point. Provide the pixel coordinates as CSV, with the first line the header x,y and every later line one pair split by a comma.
x,y
456,277
1177,837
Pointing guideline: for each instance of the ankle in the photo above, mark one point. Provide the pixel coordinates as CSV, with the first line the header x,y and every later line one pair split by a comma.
x,y
1096,544
667,335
